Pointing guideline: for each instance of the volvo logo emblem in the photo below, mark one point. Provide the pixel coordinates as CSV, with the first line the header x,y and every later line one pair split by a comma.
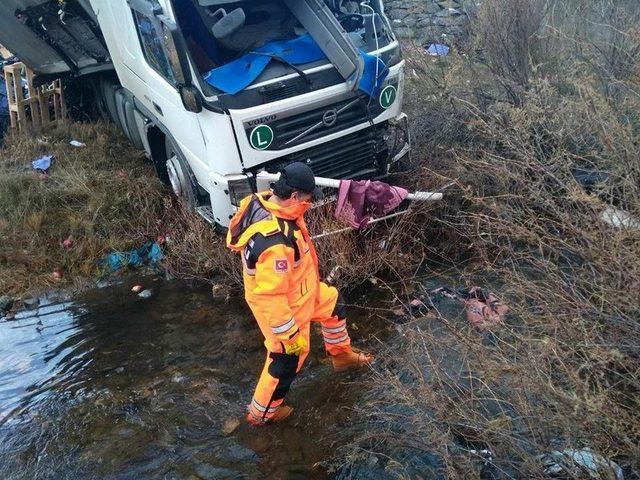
x,y
329,118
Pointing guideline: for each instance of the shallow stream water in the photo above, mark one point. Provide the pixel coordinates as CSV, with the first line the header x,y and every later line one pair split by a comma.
x,y
112,386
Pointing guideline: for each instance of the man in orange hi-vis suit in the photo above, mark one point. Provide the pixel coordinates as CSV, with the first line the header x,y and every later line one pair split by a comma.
x,y
283,288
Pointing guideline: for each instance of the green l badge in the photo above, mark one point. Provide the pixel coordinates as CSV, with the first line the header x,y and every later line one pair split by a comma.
x,y
261,137
388,96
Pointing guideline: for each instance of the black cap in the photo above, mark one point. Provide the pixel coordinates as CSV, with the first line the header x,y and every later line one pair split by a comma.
x,y
299,177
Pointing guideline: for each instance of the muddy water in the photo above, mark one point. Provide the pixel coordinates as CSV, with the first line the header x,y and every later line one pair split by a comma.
x,y
112,386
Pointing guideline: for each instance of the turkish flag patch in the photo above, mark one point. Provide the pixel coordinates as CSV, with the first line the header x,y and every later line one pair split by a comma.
x,y
282,266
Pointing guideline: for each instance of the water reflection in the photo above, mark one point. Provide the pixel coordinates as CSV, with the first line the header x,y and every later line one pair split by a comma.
x,y
113,386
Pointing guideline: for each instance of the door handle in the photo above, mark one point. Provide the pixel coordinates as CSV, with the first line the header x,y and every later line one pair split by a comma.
x,y
157,107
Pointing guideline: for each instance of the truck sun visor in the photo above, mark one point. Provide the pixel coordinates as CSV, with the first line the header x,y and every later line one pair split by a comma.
x,y
239,74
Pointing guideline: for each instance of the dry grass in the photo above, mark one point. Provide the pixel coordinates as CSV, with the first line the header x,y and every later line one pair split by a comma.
x,y
563,371
105,196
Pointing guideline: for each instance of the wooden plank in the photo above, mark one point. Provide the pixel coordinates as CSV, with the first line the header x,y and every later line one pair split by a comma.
x,y
43,107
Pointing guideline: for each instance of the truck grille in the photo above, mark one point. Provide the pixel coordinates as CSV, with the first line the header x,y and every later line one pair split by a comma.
x,y
307,126
346,157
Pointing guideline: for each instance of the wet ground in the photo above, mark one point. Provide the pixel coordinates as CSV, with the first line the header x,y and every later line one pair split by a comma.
x,y
112,386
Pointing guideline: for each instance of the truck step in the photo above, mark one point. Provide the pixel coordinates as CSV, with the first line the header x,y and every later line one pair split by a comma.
x,y
207,213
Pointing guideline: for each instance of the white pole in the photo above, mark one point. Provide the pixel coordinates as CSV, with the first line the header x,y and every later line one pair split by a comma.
x,y
332,183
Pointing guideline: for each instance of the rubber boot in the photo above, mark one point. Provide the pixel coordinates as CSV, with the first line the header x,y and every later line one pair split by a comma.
x,y
351,359
282,413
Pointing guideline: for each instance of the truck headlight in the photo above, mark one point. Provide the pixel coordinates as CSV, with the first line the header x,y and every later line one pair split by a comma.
x,y
239,189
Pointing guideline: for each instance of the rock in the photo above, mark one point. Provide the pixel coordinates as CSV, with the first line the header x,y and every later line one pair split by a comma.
x,y
6,302
230,425
409,21
620,219
366,469
207,471
577,463
404,32
397,14
137,288
31,302
239,453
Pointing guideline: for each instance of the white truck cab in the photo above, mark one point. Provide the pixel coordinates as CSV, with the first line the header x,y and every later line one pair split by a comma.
x,y
216,91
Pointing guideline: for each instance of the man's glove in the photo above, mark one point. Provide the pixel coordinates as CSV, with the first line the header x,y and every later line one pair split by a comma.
x,y
296,345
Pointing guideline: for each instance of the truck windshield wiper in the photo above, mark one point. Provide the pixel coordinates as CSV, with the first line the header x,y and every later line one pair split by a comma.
x,y
304,76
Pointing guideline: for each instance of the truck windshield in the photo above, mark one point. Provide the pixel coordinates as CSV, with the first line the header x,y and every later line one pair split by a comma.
x,y
260,40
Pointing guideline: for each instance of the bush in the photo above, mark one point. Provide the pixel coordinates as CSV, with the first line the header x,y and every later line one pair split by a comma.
x,y
544,92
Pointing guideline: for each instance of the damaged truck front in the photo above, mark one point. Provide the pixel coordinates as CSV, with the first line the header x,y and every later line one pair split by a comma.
x,y
216,91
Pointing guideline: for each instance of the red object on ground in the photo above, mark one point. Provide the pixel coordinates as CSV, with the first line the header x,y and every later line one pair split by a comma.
x,y
484,313
68,242
361,200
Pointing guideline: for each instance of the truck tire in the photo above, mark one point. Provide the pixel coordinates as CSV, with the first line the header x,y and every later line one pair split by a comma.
x,y
120,100
108,89
132,125
181,178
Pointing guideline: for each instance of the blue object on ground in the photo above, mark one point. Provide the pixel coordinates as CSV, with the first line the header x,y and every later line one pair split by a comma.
x,y
150,252
369,84
438,50
237,75
4,99
43,163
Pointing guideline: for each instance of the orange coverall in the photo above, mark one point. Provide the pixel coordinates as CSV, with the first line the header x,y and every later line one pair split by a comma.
x,y
284,291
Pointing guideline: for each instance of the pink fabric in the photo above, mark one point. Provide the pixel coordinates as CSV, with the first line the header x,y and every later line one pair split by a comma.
x,y
484,314
359,201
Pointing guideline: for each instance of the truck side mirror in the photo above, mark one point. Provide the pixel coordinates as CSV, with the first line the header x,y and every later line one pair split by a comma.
x,y
191,98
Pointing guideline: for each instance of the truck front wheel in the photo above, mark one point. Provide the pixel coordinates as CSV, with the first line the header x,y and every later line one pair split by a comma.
x,y
180,177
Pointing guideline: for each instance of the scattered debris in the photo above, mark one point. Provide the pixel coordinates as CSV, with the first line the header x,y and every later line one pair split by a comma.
x,y
146,294
137,288
77,144
68,242
577,463
333,274
418,307
150,252
221,291
620,219
43,163
484,310
360,200
438,50
57,274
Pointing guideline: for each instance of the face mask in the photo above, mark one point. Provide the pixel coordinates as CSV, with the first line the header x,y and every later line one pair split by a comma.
x,y
295,209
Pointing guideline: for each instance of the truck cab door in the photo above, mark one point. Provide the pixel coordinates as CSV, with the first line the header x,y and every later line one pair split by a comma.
x,y
155,69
